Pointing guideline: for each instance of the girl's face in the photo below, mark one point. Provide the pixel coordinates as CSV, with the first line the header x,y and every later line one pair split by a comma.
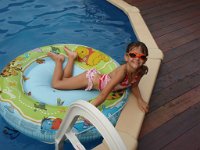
x,y
135,58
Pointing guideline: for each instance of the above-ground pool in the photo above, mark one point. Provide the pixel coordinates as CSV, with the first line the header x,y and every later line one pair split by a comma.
x,y
29,24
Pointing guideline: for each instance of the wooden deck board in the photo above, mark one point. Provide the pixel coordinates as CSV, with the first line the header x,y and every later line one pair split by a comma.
x,y
174,117
177,41
164,9
181,50
183,143
176,26
170,110
177,69
162,22
176,89
177,34
171,130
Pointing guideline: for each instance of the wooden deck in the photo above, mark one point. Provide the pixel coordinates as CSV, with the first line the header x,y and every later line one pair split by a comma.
x,y
173,122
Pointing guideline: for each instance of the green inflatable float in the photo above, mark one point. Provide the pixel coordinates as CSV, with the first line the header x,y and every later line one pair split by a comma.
x,y
33,107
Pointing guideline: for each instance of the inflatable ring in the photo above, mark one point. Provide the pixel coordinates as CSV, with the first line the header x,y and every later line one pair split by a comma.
x,y
33,107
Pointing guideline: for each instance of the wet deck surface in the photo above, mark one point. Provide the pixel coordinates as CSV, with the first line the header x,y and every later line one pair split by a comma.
x,y
173,122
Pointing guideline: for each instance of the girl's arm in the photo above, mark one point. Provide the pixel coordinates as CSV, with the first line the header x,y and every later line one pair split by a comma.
x,y
119,75
141,103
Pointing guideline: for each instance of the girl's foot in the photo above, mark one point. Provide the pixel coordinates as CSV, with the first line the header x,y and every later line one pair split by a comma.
x,y
70,54
56,57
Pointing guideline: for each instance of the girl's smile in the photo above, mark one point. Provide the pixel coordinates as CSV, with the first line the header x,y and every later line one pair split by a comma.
x,y
135,58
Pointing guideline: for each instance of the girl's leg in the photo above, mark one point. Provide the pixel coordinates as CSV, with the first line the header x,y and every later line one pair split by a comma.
x,y
58,70
69,67
59,82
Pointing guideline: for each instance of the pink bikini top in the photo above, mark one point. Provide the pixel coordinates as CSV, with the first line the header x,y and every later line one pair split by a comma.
x,y
104,79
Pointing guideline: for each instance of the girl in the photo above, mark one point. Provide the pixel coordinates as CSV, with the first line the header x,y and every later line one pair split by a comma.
x,y
126,75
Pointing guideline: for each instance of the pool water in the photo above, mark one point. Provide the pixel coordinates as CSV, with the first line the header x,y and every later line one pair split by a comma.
x,y
28,24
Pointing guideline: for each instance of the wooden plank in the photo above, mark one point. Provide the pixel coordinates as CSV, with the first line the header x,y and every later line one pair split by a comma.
x,y
178,33
169,45
171,18
175,90
151,5
186,60
188,141
166,8
171,130
180,51
170,110
166,11
177,26
178,69
143,4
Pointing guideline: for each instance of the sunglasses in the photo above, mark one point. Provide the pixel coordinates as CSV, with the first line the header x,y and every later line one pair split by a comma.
x,y
136,55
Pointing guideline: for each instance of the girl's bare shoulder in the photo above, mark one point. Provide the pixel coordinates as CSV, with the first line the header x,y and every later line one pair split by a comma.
x,y
121,70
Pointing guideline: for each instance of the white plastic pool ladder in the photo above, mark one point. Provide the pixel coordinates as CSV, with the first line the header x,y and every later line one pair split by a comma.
x,y
90,112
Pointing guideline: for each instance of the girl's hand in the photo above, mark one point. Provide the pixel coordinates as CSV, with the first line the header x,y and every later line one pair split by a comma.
x,y
87,122
143,106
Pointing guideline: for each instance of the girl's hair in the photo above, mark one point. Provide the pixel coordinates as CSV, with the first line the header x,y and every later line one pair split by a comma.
x,y
143,69
143,47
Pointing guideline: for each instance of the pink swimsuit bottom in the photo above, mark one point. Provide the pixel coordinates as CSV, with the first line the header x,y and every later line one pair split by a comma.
x,y
90,76
103,81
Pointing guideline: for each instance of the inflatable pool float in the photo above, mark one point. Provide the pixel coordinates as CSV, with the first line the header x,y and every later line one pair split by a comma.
x,y
33,107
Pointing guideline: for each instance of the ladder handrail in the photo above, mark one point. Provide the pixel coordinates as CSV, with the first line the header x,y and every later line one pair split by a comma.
x,y
91,113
